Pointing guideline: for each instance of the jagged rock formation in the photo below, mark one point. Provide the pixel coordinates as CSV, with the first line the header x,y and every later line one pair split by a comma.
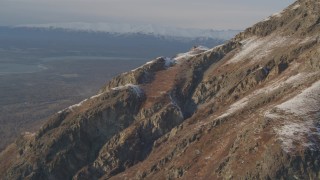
x,y
248,109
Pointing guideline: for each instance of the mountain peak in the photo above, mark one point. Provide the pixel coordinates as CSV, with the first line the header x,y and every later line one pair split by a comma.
x,y
301,18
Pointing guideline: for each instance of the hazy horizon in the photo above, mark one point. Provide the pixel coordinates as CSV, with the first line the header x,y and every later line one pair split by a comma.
x,y
203,14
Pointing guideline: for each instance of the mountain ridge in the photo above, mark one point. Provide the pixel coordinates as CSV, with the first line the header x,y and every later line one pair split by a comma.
x,y
248,109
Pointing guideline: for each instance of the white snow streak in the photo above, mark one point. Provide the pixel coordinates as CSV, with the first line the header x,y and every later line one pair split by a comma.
x,y
193,52
95,96
77,105
235,107
255,48
295,6
279,14
136,89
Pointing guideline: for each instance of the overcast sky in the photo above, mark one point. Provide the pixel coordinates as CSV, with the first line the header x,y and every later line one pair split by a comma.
x,y
212,14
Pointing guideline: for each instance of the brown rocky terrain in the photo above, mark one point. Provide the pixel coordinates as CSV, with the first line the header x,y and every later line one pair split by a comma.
x,y
249,109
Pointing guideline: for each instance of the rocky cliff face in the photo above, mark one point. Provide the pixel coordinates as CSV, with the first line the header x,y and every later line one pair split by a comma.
x,y
248,109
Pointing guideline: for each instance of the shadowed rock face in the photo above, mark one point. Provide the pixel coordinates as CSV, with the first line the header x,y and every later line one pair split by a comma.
x,y
248,109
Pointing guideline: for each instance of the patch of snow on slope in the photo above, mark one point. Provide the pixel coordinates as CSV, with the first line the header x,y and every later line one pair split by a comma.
x,y
182,56
169,61
95,96
295,6
300,128
193,52
28,134
298,133
201,48
80,103
306,102
71,108
267,19
255,48
294,80
150,62
279,14
271,115
235,107
136,89
77,105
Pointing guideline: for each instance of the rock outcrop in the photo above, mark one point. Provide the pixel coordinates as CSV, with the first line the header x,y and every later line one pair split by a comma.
x,y
248,109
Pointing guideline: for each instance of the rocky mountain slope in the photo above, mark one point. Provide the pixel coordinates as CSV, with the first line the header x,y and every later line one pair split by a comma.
x,y
249,109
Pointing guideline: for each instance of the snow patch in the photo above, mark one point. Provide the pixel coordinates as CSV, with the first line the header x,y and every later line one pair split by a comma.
x,y
266,19
95,96
169,61
182,56
279,14
77,105
71,108
295,6
193,52
294,80
255,48
235,107
150,62
271,115
200,48
294,133
305,103
28,134
136,89
300,127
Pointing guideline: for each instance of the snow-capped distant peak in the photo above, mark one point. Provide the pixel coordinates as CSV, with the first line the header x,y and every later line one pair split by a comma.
x,y
144,29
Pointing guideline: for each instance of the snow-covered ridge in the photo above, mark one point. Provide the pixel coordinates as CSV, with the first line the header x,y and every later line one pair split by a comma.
x,y
168,62
71,108
144,29
193,52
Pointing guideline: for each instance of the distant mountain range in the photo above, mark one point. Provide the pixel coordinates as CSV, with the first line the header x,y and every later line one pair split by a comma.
x,y
141,29
78,39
